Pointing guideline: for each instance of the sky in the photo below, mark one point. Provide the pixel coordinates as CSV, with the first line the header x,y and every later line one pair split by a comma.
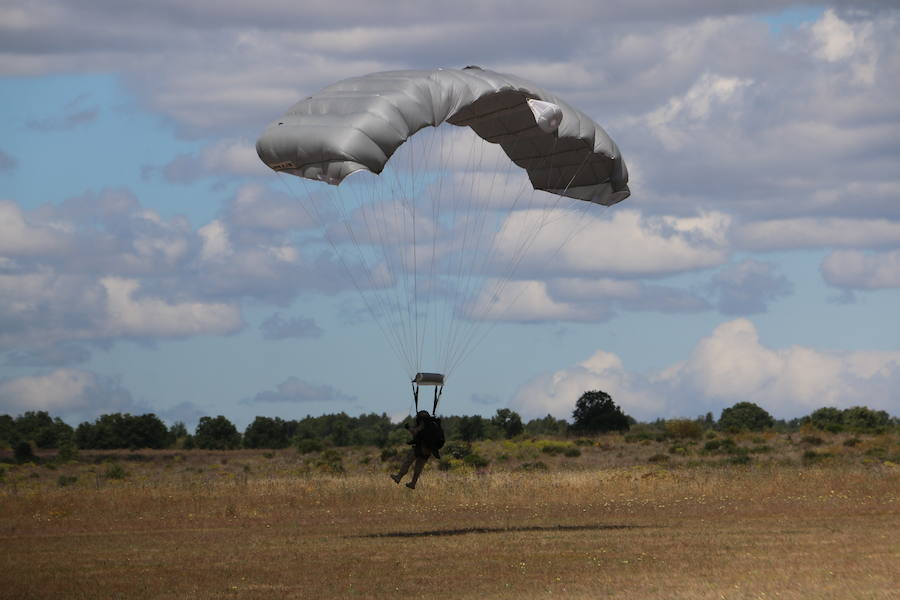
x,y
149,262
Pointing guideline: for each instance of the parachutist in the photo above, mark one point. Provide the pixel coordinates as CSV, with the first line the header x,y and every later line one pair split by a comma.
x,y
427,441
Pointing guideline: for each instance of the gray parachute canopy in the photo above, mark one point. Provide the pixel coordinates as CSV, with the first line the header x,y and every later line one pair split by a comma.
x,y
358,123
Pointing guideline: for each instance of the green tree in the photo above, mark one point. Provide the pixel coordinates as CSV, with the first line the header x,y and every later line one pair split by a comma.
x,y
595,412
8,434
266,432
216,434
745,416
548,425
827,418
119,430
43,430
471,428
508,421
866,420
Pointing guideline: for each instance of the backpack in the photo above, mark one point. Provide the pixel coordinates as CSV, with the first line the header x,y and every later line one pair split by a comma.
x,y
433,433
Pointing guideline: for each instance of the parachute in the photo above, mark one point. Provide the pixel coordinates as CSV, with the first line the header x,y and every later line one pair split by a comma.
x,y
433,244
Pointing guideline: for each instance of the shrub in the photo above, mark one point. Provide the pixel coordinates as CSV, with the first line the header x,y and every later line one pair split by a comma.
x,y
852,442
554,448
572,452
684,428
115,471
724,445
738,459
330,462
745,416
457,449
534,466
217,434
658,458
308,445
812,440
389,453
65,480
23,453
476,460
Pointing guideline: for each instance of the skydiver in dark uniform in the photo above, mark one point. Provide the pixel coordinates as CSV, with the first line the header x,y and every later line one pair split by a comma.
x,y
427,440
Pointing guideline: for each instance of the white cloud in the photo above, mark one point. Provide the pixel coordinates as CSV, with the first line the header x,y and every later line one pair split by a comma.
x,y
729,366
18,237
64,392
673,122
811,232
626,243
295,390
130,314
860,270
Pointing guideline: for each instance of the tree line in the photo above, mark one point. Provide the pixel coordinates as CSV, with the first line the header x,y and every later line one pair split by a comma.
x,y
595,412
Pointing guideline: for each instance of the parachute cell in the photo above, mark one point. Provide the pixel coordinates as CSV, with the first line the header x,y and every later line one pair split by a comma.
x,y
359,123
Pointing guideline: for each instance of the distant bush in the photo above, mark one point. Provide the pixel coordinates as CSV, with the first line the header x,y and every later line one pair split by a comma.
x,y
23,453
66,480
738,459
852,442
457,449
812,440
658,458
724,445
476,460
859,419
572,452
309,445
554,448
115,471
534,466
389,453
217,434
330,462
684,429
745,416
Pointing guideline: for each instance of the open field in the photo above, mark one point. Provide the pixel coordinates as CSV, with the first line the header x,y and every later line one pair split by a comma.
x,y
250,524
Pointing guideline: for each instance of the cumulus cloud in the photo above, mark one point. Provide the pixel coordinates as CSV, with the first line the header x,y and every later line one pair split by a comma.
x,y
58,355
748,287
576,300
855,269
294,390
730,365
222,159
811,232
277,327
622,242
65,392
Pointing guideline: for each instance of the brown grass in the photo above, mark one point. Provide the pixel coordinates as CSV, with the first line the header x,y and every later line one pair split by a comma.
x,y
239,525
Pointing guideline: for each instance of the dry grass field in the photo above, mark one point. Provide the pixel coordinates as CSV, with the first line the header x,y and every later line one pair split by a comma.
x,y
615,521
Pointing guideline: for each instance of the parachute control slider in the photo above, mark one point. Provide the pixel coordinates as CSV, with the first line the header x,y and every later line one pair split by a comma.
x,y
435,379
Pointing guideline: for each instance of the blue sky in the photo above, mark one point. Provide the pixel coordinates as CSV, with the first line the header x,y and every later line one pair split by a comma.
x,y
757,259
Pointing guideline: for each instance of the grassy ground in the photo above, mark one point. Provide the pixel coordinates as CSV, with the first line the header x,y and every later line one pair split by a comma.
x,y
608,523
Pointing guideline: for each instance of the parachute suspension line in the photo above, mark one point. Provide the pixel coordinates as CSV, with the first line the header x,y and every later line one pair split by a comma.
x,y
582,210
368,269
526,236
374,229
316,216
471,325
438,391
464,220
